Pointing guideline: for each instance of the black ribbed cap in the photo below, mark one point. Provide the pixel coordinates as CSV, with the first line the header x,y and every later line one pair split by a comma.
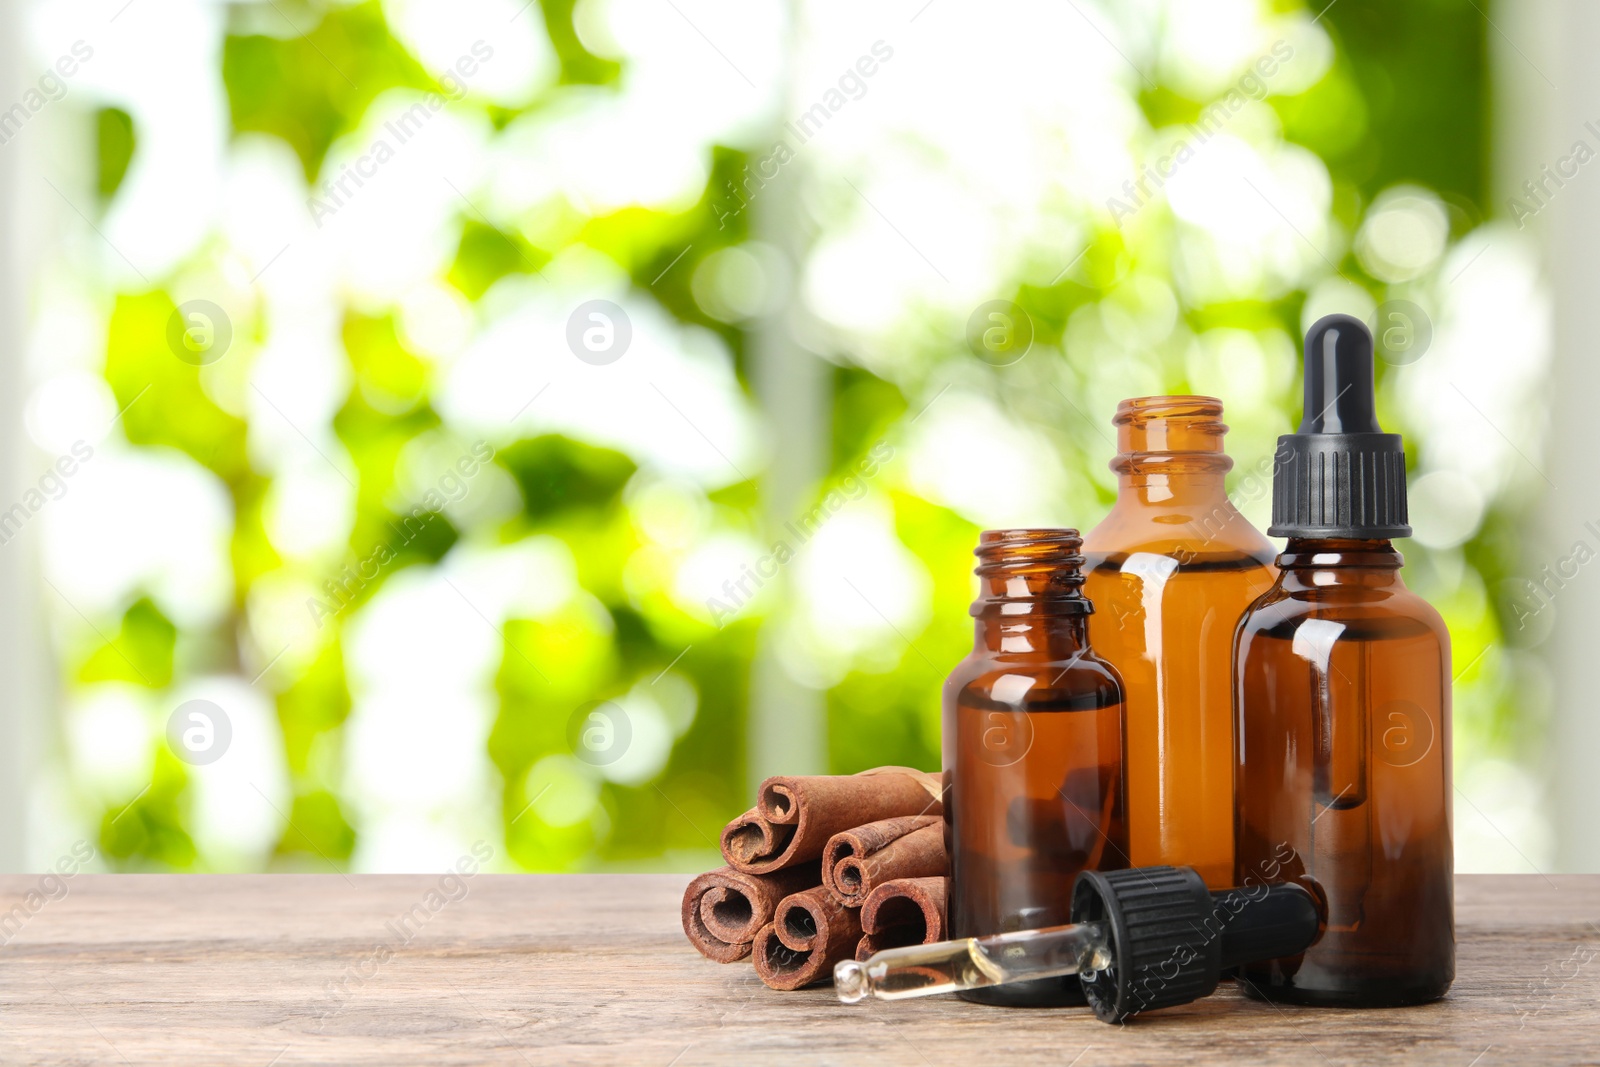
x,y
1171,938
1340,475
1159,957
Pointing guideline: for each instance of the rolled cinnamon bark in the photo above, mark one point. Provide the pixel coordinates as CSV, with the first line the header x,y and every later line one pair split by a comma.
x,y
724,909
856,861
906,911
749,838
809,933
795,816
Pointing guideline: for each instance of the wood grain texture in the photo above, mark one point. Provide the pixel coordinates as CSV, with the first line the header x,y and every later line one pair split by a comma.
x,y
549,969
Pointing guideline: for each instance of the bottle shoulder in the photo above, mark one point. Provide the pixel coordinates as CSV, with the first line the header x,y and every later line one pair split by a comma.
x,y
1021,680
1391,611
1209,534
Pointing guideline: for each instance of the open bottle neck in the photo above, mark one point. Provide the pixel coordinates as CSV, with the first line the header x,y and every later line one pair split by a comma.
x,y
1169,449
1030,599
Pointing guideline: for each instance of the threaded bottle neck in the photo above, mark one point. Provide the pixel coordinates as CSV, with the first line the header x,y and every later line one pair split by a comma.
x,y
1029,572
1177,436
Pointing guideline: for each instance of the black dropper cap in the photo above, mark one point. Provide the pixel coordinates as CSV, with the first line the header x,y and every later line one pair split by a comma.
x,y
1172,939
1339,475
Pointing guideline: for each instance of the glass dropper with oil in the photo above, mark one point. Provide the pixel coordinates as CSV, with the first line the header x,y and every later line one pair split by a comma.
x,y
1149,937
974,963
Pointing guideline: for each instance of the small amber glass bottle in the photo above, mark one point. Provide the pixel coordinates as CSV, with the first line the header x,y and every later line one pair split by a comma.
x,y
1342,694
1032,752
1170,570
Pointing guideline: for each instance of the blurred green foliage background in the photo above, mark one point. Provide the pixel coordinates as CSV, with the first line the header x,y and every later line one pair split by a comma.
x,y
1399,101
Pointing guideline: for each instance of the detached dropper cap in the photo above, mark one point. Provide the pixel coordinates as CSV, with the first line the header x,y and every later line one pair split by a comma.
x,y
1172,940
1340,475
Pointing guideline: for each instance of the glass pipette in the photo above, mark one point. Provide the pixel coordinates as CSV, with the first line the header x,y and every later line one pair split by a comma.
x,y
974,962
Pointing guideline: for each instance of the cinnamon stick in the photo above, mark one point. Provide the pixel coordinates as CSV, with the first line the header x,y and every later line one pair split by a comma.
x,y
856,861
906,911
795,816
724,909
809,933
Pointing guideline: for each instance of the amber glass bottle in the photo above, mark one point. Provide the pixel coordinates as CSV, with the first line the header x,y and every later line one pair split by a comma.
x,y
1342,689
1032,752
1170,570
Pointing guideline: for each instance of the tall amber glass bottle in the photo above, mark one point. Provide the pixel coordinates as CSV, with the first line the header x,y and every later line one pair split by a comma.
x,y
1170,570
1032,752
1342,688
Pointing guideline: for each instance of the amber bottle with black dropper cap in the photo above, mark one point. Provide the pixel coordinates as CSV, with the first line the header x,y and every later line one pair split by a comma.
x,y
1032,752
1170,570
1342,699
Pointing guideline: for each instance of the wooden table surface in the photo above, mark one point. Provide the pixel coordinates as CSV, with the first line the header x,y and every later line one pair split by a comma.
x,y
550,969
